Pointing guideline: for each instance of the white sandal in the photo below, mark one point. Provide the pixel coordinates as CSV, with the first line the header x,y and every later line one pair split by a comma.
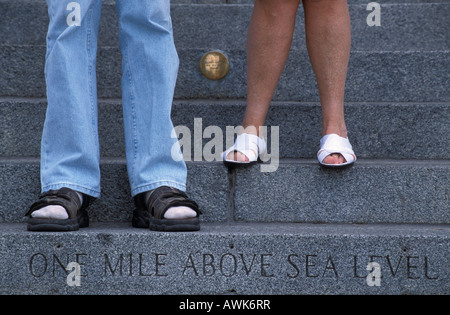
x,y
333,143
248,144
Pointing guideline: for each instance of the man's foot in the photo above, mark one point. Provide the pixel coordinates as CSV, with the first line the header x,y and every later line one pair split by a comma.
x,y
166,209
180,213
54,211
59,210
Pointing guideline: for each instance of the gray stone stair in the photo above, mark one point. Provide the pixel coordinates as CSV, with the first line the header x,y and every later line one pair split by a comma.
x,y
238,258
398,62
373,191
298,230
383,130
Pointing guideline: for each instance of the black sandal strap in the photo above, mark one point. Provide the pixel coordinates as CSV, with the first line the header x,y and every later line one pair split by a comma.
x,y
65,197
159,200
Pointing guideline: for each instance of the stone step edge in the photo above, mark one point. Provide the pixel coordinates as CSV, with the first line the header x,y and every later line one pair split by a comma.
x,y
283,161
293,49
255,228
250,2
224,101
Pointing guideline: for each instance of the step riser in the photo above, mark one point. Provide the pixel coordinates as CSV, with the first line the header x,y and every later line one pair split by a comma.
x,y
382,192
297,192
374,129
403,26
294,259
372,76
207,184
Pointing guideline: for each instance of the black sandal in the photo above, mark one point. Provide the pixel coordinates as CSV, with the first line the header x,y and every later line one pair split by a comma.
x,y
67,198
152,205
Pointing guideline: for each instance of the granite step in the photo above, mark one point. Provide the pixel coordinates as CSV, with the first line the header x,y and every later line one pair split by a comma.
x,y
298,191
404,60
412,76
244,258
419,26
390,130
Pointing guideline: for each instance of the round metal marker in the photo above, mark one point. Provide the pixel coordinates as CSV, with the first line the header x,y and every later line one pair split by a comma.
x,y
214,65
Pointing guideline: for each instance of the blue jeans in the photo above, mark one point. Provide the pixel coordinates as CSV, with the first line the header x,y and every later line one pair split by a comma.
x,y
70,148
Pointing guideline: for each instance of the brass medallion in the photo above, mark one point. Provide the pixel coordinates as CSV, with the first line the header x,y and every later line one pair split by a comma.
x,y
214,65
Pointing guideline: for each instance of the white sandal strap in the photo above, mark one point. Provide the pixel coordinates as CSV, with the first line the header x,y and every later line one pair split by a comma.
x,y
333,143
248,144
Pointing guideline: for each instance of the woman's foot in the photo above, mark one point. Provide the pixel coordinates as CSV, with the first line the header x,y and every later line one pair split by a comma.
x,y
339,128
246,149
335,151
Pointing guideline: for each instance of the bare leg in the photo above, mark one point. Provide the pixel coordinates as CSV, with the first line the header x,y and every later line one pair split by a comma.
x,y
269,41
328,37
